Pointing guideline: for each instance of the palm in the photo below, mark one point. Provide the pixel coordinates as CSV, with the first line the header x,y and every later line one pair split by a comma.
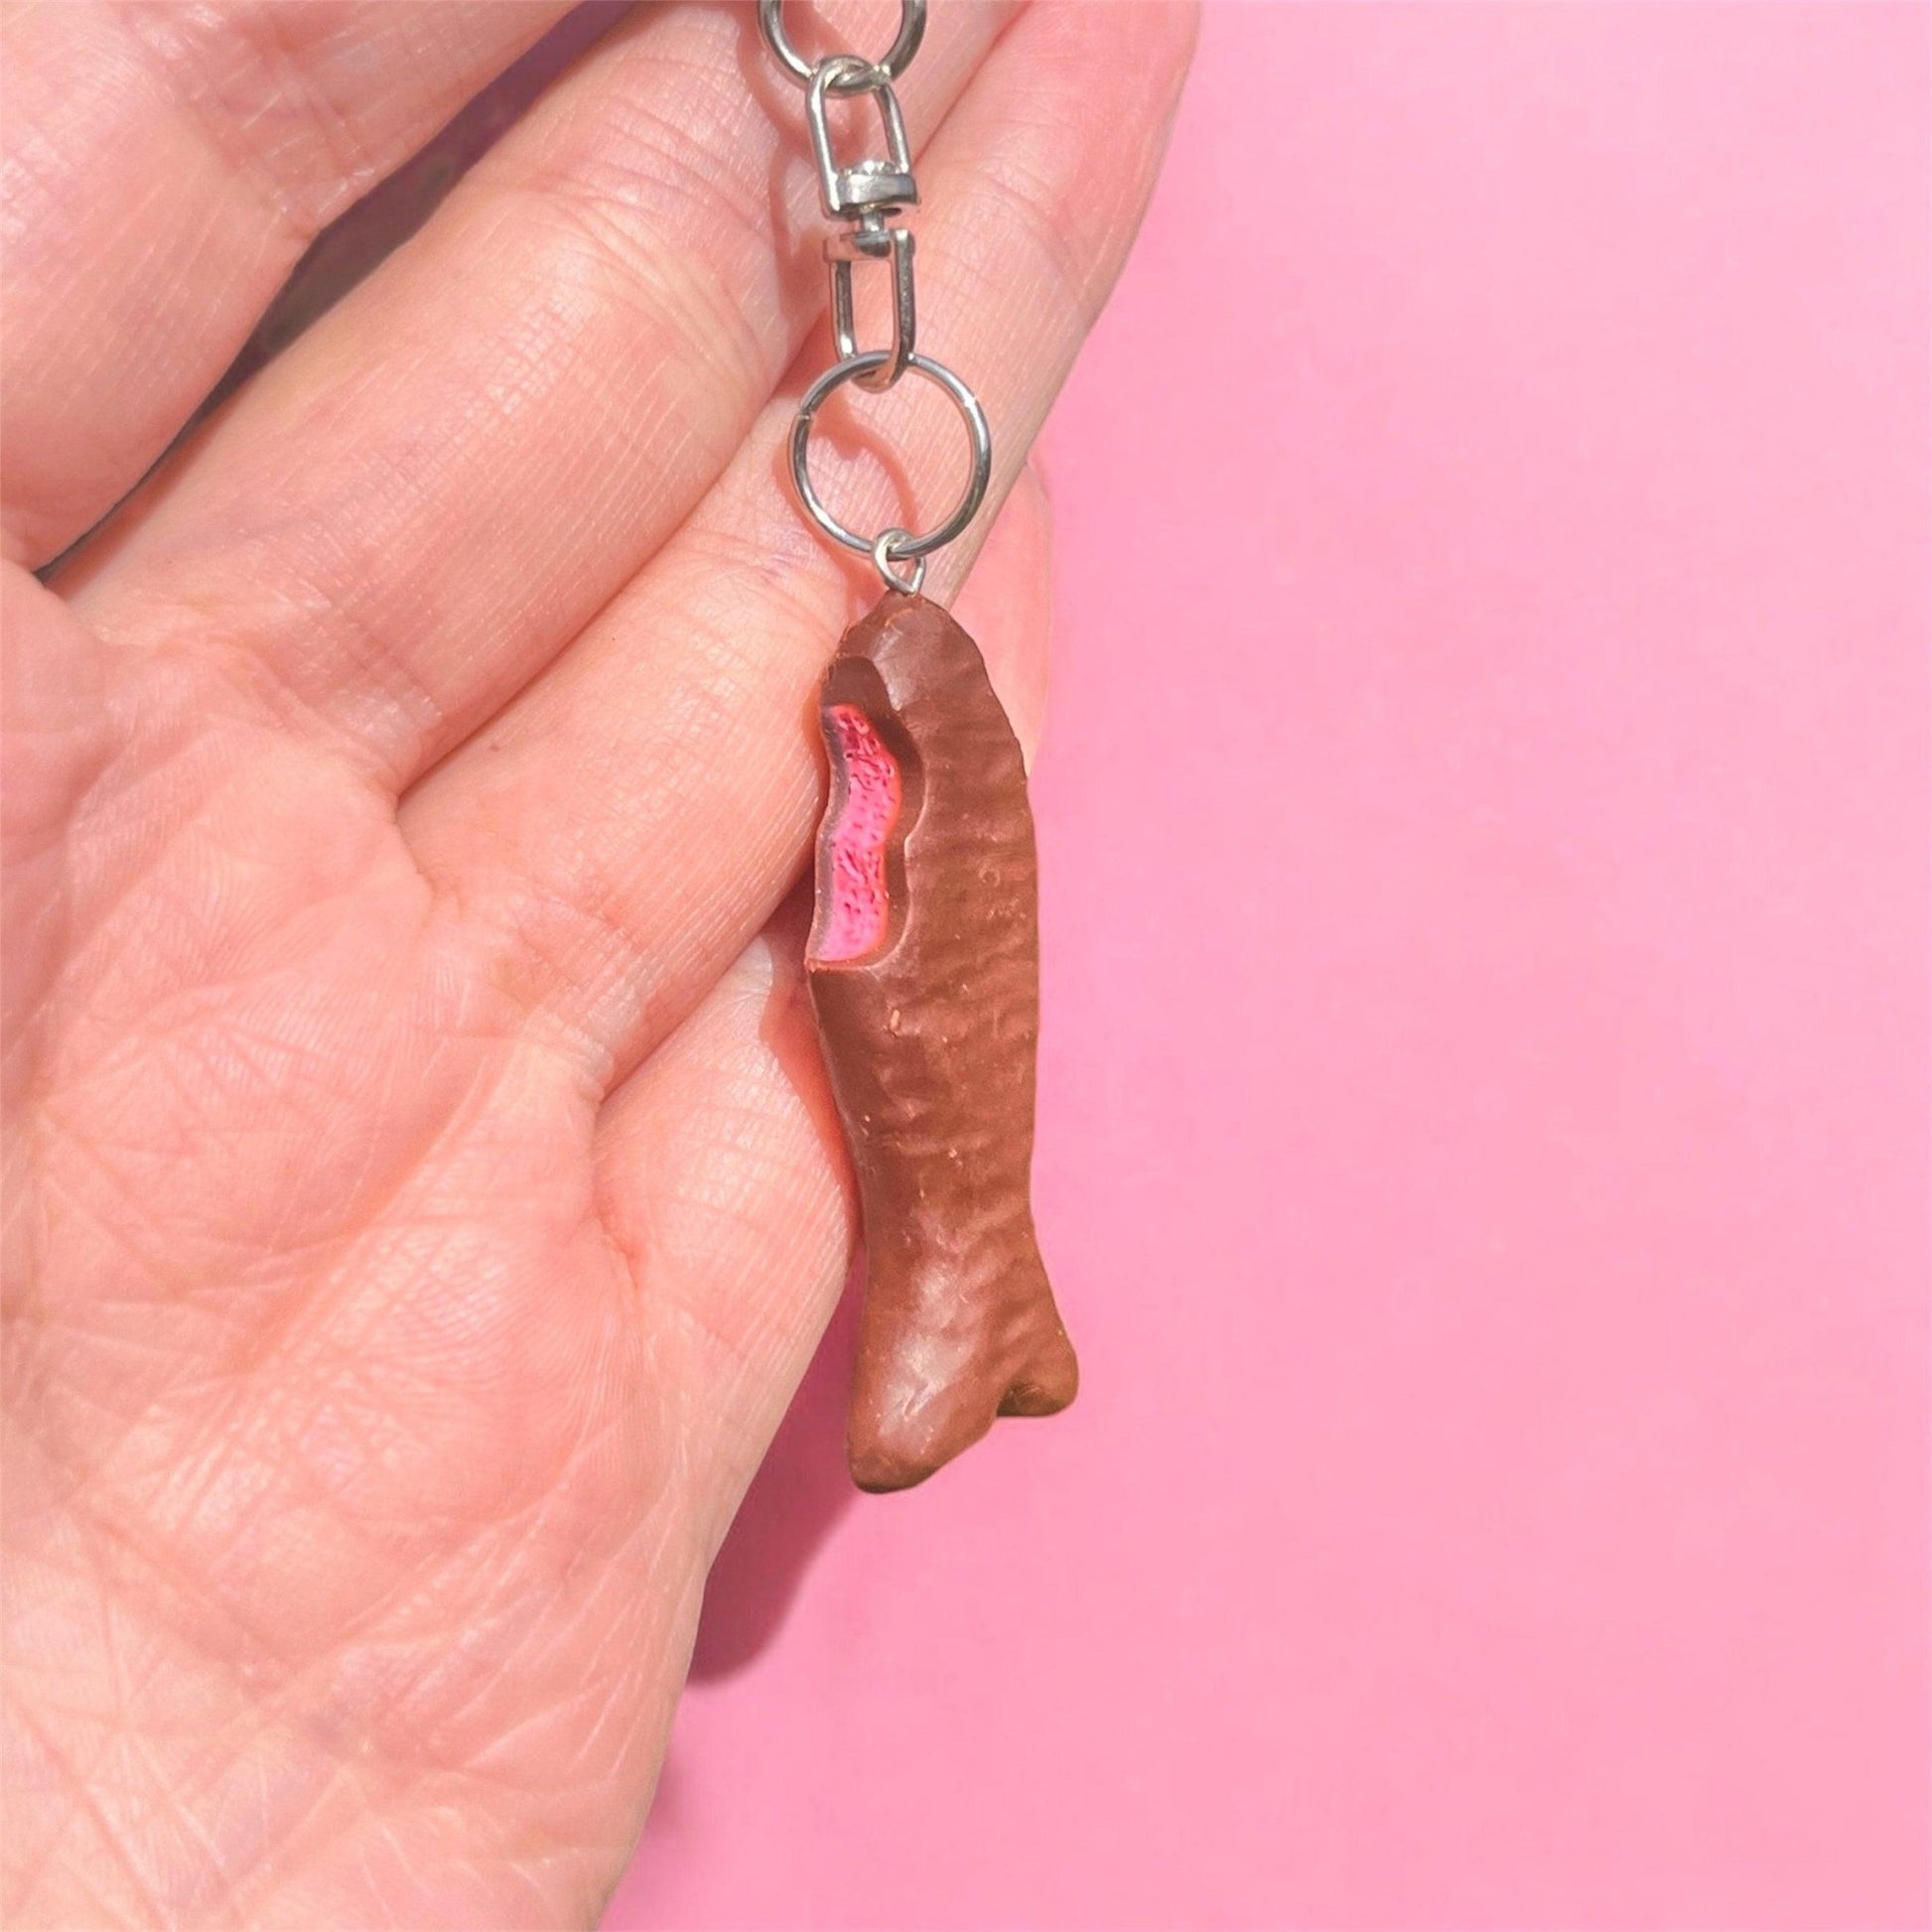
x,y
338,1397
422,1200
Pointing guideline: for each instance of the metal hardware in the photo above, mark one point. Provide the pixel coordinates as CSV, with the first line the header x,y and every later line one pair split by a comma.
x,y
911,30
964,401
866,195
874,245
869,187
885,548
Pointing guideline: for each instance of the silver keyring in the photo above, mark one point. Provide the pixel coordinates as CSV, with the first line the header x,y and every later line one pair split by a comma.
x,y
911,30
966,402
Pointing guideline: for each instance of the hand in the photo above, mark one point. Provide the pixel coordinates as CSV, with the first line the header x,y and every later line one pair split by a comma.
x,y
422,1196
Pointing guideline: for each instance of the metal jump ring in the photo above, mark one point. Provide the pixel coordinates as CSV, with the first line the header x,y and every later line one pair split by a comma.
x,y
968,406
886,552
911,30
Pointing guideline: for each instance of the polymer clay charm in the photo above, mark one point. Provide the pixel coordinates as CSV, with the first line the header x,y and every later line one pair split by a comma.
x,y
924,959
924,963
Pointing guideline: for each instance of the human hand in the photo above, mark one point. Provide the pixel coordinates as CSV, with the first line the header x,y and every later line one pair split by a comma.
x,y
422,1196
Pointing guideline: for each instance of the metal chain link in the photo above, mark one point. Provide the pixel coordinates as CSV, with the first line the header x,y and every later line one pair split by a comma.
x,y
868,194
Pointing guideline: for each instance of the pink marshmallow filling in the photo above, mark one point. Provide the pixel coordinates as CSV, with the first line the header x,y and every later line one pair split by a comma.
x,y
853,908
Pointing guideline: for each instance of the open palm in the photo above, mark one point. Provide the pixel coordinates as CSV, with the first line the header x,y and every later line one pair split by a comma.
x,y
422,1200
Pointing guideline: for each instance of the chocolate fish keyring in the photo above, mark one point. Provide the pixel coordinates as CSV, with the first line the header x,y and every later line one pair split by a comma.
x,y
924,953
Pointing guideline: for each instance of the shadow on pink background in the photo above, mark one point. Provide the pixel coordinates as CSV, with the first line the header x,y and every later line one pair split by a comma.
x,y
1483,1144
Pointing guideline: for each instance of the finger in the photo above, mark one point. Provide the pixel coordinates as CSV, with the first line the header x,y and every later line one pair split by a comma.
x,y
1006,604
720,1163
164,168
55,736
617,835
414,507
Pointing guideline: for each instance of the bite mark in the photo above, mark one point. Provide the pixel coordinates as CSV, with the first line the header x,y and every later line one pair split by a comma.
x,y
854,908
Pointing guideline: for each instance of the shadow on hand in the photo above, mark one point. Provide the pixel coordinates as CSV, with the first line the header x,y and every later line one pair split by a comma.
x,y
799,1493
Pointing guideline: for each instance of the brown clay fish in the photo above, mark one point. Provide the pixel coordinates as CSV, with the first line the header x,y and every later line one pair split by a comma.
x,y
924,971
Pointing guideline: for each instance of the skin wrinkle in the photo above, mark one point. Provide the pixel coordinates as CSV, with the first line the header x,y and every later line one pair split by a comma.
x,y
172,1802
108,819
82,1808
366,858
110,1738
683,299
92,1152
88,1153
244,161
631,165
584,1688
245,1057
235,1642
539,1505
233,781
138,120
225,634
571,921
295,1677
649,1248
264,1849
293,1257
608,1661
286,1440
276,75
463,1674
286,1332
209,1034
220,633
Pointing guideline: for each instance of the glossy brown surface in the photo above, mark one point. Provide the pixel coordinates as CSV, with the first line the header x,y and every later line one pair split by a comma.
x,y
929,1041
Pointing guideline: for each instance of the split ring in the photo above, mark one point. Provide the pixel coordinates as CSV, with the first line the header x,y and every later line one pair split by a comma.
x,y
964,401
911,30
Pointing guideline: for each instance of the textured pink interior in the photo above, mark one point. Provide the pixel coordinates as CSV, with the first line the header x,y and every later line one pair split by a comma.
x,y
854,910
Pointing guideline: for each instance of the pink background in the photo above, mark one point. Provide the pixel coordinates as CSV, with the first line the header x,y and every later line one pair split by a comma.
x,y
1483,1145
